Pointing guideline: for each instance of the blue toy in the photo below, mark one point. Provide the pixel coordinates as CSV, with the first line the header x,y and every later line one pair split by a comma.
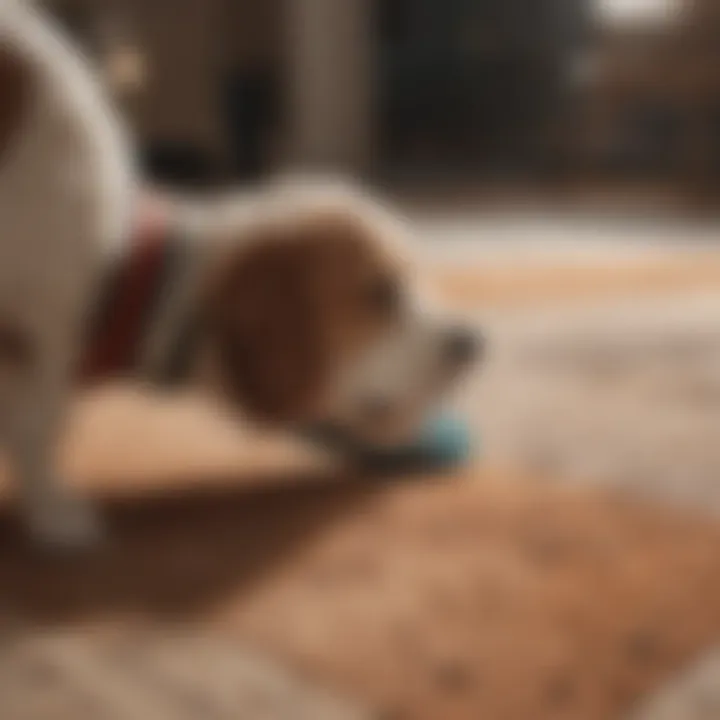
x,y
444,445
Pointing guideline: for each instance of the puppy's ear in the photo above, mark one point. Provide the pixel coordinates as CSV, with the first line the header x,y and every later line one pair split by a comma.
x,y
265,318
14,96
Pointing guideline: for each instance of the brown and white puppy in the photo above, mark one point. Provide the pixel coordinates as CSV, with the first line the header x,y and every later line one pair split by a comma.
x,y
315,312
296,305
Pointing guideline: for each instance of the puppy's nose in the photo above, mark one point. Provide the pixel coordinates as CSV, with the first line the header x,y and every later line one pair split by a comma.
x,y
463,346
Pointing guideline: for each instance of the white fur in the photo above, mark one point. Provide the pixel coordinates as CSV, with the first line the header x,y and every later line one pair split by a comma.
x,y
406,369
66,189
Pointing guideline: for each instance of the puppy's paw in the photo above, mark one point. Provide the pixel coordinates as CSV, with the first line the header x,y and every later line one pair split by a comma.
x,y
64,523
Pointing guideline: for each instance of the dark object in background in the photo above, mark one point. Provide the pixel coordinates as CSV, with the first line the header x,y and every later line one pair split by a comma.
x,y
177,164
474,84
250,109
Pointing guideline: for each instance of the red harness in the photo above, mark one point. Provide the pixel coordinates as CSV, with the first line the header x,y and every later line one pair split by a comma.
x,y
127,299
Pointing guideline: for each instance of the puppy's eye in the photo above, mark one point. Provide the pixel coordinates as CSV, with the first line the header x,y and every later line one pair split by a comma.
x,y
384,296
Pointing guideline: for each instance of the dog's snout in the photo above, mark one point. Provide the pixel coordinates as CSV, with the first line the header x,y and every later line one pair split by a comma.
x,y
463,346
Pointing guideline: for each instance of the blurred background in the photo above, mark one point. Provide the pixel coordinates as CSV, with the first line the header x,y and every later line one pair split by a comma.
x,y
559,161
531,94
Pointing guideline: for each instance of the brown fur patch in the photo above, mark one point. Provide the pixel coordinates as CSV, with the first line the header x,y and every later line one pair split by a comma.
x,y
288,308
14,94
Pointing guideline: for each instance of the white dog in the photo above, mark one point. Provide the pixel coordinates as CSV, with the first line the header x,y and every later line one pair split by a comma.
x,y
295,306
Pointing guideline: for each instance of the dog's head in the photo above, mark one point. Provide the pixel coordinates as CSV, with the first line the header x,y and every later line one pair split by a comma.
x,y
317,315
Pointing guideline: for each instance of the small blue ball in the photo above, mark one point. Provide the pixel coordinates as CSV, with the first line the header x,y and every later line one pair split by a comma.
x,y
444,444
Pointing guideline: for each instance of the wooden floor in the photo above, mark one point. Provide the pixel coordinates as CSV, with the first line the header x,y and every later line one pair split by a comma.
x,y
159,675
483,594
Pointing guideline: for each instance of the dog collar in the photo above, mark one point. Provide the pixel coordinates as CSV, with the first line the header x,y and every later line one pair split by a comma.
x,y
129,301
